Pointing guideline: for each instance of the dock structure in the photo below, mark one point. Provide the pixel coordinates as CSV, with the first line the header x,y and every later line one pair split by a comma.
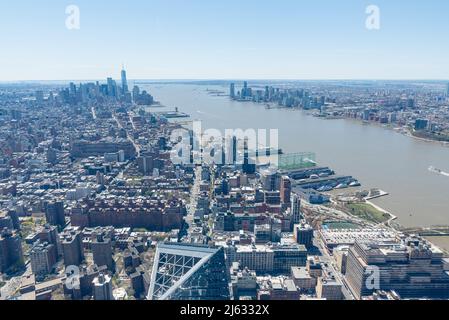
x,y
306,173
322,182
173,114
437,231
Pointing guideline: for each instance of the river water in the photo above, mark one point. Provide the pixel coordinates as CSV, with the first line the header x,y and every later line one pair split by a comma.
x,y
376,156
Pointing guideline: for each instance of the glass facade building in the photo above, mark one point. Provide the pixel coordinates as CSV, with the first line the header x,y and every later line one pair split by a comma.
x,y
189,272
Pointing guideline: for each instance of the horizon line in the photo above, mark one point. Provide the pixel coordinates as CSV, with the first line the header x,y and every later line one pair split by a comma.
x,y
230,79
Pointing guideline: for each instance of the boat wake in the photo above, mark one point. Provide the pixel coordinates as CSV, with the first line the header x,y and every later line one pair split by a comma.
x,y
438,171
207,114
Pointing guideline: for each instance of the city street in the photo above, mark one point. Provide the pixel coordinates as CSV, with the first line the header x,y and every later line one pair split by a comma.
x,y
191,208
327,259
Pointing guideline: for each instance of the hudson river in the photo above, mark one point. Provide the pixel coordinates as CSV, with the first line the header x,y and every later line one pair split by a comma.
x,y
376,156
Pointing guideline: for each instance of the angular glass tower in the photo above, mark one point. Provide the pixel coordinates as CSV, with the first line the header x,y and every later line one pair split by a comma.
x,y
189,272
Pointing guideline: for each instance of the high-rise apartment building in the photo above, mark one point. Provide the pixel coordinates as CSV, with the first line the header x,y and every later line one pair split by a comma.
x,y
72,247
296,209
11,254
102,288
102,251
43,257
286,190
304,234
55,214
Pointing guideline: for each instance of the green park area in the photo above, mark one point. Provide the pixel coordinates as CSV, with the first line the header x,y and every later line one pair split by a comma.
x,y
435,136
368,212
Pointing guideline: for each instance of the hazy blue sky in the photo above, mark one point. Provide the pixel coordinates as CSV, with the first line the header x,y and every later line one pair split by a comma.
x,y
232,39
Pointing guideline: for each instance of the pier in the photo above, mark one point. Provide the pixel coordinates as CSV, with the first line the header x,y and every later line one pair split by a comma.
x,y
322,182
437,231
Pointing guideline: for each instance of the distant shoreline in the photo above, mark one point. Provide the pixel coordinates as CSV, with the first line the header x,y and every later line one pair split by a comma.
x,y
401,130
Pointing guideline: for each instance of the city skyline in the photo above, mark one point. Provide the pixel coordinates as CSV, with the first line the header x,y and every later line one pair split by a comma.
x,y
289,40
243,151
95,166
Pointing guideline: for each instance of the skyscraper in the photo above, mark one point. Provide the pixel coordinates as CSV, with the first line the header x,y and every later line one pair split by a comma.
x,y
232,91
244,93
124,81
136,93
296,209
286,190
234,149
189,272
112,88
249,167
231,144
267,93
